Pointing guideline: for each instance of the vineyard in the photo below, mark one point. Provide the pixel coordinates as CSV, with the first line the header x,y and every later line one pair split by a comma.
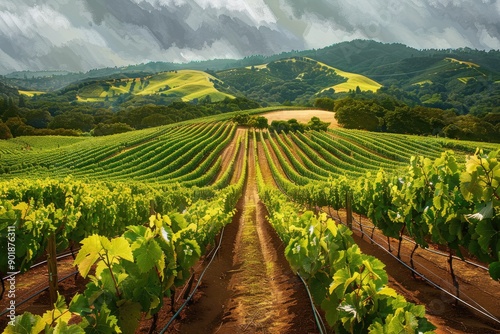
x,y
151,228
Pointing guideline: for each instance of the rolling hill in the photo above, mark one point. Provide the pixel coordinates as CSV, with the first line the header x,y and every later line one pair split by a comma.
x,y
187,85
296,80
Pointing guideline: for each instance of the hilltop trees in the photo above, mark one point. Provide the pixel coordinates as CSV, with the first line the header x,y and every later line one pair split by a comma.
x,y
355,114
73,120
110,129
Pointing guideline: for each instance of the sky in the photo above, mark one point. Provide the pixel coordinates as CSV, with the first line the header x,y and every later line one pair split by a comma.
x,y
80,35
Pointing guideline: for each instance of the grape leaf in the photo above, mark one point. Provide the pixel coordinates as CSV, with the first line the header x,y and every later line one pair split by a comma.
x,y
147,255
120,248
88,254
129,314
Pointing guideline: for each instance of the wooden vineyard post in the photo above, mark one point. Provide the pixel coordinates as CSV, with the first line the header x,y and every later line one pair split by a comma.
x,y
52,266
152,211
348,209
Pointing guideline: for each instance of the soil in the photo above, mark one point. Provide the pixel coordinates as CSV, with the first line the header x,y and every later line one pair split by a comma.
x,y
37,279
229,151
249,288
302,116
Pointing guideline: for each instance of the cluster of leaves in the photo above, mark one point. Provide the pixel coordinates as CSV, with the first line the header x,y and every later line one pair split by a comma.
x,y
72,210
439,200
134,271
436,200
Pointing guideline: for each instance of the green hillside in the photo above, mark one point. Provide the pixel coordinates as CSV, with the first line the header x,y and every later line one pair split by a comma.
x,y
296,80
354,81
187,85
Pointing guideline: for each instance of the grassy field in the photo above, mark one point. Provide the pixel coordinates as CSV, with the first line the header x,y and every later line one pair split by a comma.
x,y
185,84
461,62
30,93
353,80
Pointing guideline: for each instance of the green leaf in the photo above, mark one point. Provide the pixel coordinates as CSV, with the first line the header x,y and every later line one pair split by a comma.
x,y
104,322
26,323
79,304
63,328
339,279
486,231
386,291
88,254
120,248
494,270
129,314
318,286
147,255
331,313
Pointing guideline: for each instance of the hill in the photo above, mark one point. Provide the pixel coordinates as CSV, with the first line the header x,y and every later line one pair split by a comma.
x,y
296,80
186,85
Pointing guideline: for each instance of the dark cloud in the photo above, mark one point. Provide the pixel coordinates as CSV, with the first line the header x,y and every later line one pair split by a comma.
x,y
83,34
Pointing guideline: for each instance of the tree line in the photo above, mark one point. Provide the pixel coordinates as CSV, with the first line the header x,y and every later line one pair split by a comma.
x,y
391,115
50,116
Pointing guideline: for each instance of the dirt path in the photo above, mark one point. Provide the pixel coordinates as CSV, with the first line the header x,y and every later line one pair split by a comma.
x,y
250,288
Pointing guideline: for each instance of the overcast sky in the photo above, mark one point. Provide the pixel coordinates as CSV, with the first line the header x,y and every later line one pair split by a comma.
x,y
80,35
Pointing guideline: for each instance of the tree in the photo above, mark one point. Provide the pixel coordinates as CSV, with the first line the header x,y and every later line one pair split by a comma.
x,y
4,131
261,122
18,128
73,120
324,103
295,126
241,119
353,114
110,129
10,110
37,118
317,125
280,126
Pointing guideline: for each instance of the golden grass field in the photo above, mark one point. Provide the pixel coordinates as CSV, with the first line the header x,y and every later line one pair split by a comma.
x,y
185,84
353,80
30,93
302,116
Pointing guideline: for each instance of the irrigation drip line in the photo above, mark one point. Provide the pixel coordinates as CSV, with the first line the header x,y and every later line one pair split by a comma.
x,y
195,287
427,249
485,312
39,292
317,315
40,263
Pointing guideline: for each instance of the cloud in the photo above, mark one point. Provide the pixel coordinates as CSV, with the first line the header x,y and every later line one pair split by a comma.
x,y
83,34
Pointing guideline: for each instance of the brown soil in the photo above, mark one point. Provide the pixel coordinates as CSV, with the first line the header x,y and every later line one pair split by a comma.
x,y
302,116
228,153
37,279
249,288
